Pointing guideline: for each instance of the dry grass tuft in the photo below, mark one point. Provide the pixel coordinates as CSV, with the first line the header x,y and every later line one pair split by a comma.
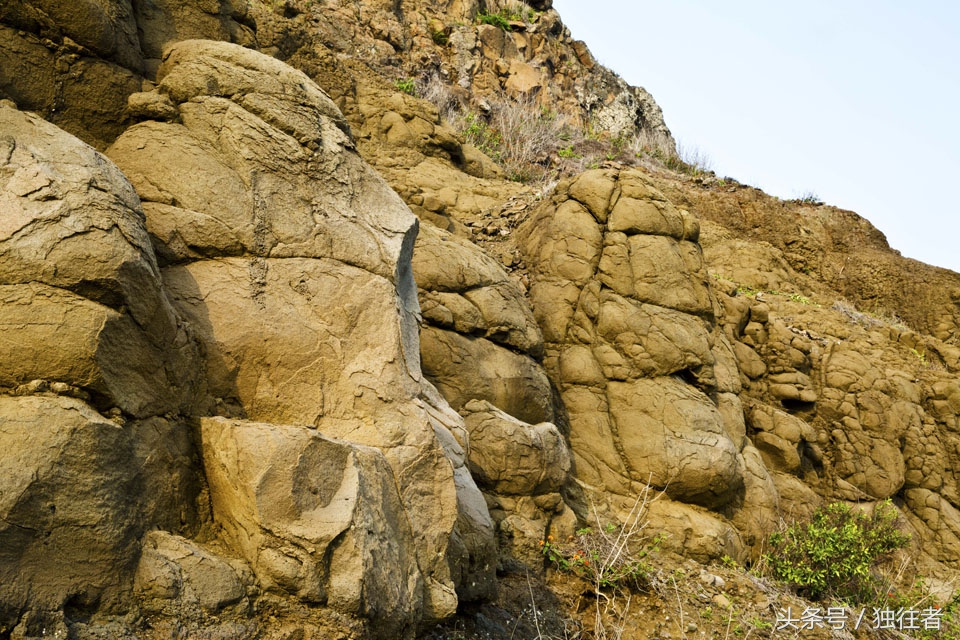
x,y
535,145
612,559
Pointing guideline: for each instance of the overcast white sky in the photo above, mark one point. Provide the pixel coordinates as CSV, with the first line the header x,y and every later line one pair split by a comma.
x,y
857,101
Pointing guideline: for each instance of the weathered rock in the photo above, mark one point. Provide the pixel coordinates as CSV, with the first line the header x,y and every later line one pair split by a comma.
x,y
465,290
693,531
164,21
671,432
122,338
295,341
69,520
508,456
779,437
759,513
629,341
465,369
178,577
315,517
106,28
83,94
292,258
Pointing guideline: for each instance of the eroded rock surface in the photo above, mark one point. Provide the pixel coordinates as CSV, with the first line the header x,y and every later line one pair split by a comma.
x,y
617,331
216,407
297,276
63,203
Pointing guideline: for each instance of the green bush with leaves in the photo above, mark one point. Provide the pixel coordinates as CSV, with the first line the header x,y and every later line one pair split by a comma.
x,y
406,85
834,553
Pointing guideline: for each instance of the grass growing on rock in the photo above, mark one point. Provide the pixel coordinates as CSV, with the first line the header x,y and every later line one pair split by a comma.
x,y
535,145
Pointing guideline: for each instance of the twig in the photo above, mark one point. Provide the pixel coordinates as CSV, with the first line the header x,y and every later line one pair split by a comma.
x,y
533,603
681,626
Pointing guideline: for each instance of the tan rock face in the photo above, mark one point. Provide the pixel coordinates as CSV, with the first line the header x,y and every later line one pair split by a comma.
x,y
75,63
318,518
84,316
480,339
122,338
77,491
269,241
69,520
464,289
291,257
620,292
178,577
510,457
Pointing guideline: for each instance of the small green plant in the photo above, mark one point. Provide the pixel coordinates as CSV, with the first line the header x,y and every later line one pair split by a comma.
x,y
729,562
568,152
495,19
832,555
760,623
921,356
802,299
439,37
406,85
481,135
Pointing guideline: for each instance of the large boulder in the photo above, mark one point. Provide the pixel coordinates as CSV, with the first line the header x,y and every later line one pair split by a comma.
x,y
317,518
292,259
76,492
74,251
511,457
176,576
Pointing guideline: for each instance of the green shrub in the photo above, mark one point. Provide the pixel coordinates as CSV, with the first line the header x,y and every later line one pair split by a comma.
x,y
406,85
496,19
834,553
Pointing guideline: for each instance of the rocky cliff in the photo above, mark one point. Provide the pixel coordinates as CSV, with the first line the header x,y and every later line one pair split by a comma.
x,y
284,354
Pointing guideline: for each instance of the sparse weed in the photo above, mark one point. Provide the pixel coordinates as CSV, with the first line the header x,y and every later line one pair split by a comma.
x,y
661,150
481,135
868,320
612,558
809,197
516,133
